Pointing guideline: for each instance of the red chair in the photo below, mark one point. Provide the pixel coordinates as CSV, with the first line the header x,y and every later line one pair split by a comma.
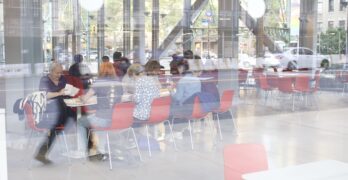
x,y
160,109
285,85
242,79
29,116
225,106
302,86
197,114
241,159
265,86
272,81
122,120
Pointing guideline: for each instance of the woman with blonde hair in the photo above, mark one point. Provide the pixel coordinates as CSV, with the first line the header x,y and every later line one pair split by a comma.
x,y
128,81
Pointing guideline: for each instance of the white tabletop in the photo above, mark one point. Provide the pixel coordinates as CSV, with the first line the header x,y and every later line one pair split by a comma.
x,y
321,170
76,102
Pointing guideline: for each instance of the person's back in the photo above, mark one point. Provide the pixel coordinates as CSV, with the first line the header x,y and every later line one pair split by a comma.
x,y
121,64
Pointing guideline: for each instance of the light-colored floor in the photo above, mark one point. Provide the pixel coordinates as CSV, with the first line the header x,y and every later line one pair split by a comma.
x,y
305,135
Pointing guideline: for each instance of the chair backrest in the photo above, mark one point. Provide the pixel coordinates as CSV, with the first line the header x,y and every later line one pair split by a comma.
x,y
197,112
240,159
29,117
263,82
272,81
302,83
285,85
160,109
226,100
122,115
242,76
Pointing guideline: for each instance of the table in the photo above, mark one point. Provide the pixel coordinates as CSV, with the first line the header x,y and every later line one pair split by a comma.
x,y
75,102
320,170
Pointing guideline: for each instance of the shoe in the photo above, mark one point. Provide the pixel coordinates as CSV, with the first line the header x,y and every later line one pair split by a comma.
x,y
98,157
43,159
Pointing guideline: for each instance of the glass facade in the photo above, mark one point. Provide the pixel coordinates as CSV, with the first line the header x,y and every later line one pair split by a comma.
x,y
162,89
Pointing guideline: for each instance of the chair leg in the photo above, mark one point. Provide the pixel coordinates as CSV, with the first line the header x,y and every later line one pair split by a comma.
x,y
293,102
172,135
190,129
219,126
29,141
148,139
27,146
66,145
173,119
234,123
109,151
136,143
88,136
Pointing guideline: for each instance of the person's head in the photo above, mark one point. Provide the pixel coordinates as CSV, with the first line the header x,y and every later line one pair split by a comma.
x,y
55,71
117,56
183,67
78,58
152,67
135,69
188,54
105,59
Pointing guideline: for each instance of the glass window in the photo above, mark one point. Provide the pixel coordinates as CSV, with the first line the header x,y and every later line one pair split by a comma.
x,y
320,26
342,24
307,52
331,5
342,6
330,24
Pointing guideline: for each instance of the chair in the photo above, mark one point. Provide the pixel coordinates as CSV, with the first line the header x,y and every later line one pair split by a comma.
x,y
265,86
29,116
225,105
285,85
197,114
242,79
302,86
240,159
122,120
160,109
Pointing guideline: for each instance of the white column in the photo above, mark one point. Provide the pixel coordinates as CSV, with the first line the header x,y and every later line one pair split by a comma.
x,y
3,152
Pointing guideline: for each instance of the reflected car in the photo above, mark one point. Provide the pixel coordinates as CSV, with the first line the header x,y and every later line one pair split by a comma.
x,y
246,61
296,58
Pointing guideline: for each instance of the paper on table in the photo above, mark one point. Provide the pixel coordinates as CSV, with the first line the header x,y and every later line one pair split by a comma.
x,y
70,90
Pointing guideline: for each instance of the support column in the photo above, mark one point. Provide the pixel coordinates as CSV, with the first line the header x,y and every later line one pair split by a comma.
x,y
228,28
229,11
55,28
308,24
139,31
101,32
186,25
76,35
126,27
155,28
259,33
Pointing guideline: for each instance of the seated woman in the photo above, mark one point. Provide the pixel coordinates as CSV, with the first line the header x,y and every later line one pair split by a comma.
x,y
100,115
147,88
186,88
106,68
